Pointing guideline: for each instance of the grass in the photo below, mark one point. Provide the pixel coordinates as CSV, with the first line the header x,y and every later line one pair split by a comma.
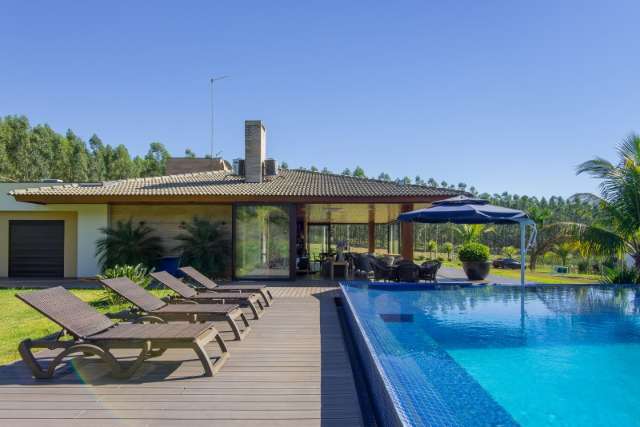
x,y
542,274
19,321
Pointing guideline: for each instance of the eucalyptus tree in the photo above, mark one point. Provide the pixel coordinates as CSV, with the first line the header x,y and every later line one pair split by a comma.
x,y
358,172
155,162
78,167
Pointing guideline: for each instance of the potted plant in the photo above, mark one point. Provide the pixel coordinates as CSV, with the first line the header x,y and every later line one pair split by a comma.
x,y
475,260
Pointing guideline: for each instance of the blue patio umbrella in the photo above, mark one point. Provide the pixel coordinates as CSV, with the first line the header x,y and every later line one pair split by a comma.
x,y
467,210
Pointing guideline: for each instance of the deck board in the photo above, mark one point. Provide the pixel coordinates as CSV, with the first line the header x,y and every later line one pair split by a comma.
x,y
292,370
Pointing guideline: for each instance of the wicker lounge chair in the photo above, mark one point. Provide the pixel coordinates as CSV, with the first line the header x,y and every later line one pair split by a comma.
x,y
201,280
407,271
148,304
381,270
188,293
95,334
429,270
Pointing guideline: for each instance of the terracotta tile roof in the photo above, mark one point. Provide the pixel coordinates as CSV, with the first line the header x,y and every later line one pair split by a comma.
x,y
294,183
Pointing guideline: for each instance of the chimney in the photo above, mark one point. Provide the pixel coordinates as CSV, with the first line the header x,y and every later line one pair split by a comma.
x,y
238,167
255,141
270,167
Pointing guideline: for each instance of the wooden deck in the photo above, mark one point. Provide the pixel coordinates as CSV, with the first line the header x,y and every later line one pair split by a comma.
x,y
292,370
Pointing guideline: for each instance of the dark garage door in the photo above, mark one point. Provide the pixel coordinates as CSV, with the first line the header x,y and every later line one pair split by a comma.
x,y
36,248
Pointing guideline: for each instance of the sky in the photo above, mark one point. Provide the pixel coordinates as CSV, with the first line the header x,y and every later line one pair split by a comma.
x,y
502,95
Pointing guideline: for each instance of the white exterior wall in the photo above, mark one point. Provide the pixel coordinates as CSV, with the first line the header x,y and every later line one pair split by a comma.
x,y
90,219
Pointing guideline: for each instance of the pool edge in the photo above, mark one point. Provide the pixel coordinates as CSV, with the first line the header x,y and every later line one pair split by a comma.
x,y
382,394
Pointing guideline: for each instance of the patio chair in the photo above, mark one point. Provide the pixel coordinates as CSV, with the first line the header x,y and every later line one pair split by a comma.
x,y
203,281
94,334
362,266
407,271
148,304
186,292
381,271
429,270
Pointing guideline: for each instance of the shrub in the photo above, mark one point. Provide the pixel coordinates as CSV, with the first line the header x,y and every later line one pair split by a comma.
x,y
583,266
473,251
205,246
127,243
137,273
620,275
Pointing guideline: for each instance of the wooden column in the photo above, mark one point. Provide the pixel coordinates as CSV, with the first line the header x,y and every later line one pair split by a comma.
x,y
406,233
372,230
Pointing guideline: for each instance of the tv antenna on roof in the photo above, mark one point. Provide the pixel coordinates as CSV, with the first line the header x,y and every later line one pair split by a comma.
x,y
212,80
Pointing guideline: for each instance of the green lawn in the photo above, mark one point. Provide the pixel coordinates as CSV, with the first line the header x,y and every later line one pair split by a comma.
x,y
542,274
19,321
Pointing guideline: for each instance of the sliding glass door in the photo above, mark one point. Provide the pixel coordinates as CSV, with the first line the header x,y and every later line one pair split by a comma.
x,y
262,242
318,238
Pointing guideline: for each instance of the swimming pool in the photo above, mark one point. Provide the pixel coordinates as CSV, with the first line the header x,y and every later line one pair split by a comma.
x,y
491,355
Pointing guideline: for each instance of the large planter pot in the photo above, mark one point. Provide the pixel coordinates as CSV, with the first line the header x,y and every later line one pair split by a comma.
x,y
476,270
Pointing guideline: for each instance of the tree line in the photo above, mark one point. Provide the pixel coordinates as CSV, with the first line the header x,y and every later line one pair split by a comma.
x,y
359,172
548,213
33,153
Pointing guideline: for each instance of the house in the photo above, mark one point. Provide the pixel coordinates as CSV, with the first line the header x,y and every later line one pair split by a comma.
x,y
273,216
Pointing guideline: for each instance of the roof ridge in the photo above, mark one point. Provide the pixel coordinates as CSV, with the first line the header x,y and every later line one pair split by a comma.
x,y
165,176
382,181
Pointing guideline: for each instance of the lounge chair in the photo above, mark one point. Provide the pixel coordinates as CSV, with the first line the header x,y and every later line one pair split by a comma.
x,y
186,292
381,270
429,270
95,334
201,280
148,304
407,271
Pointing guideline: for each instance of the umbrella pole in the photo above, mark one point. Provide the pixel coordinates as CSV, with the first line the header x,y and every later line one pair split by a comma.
x,y
523,250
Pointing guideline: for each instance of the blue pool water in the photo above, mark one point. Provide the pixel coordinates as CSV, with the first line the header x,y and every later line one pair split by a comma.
x,y
557,356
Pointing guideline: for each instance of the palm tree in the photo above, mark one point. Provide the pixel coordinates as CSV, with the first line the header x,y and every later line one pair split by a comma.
x,y
617,231
448,248
432,246
564,250
205,246
472,232
128,244
509,251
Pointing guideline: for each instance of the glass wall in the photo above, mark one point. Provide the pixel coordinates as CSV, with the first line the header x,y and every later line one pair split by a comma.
x,y
382,238
394,238
262,241
356,236
318,240
388,238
